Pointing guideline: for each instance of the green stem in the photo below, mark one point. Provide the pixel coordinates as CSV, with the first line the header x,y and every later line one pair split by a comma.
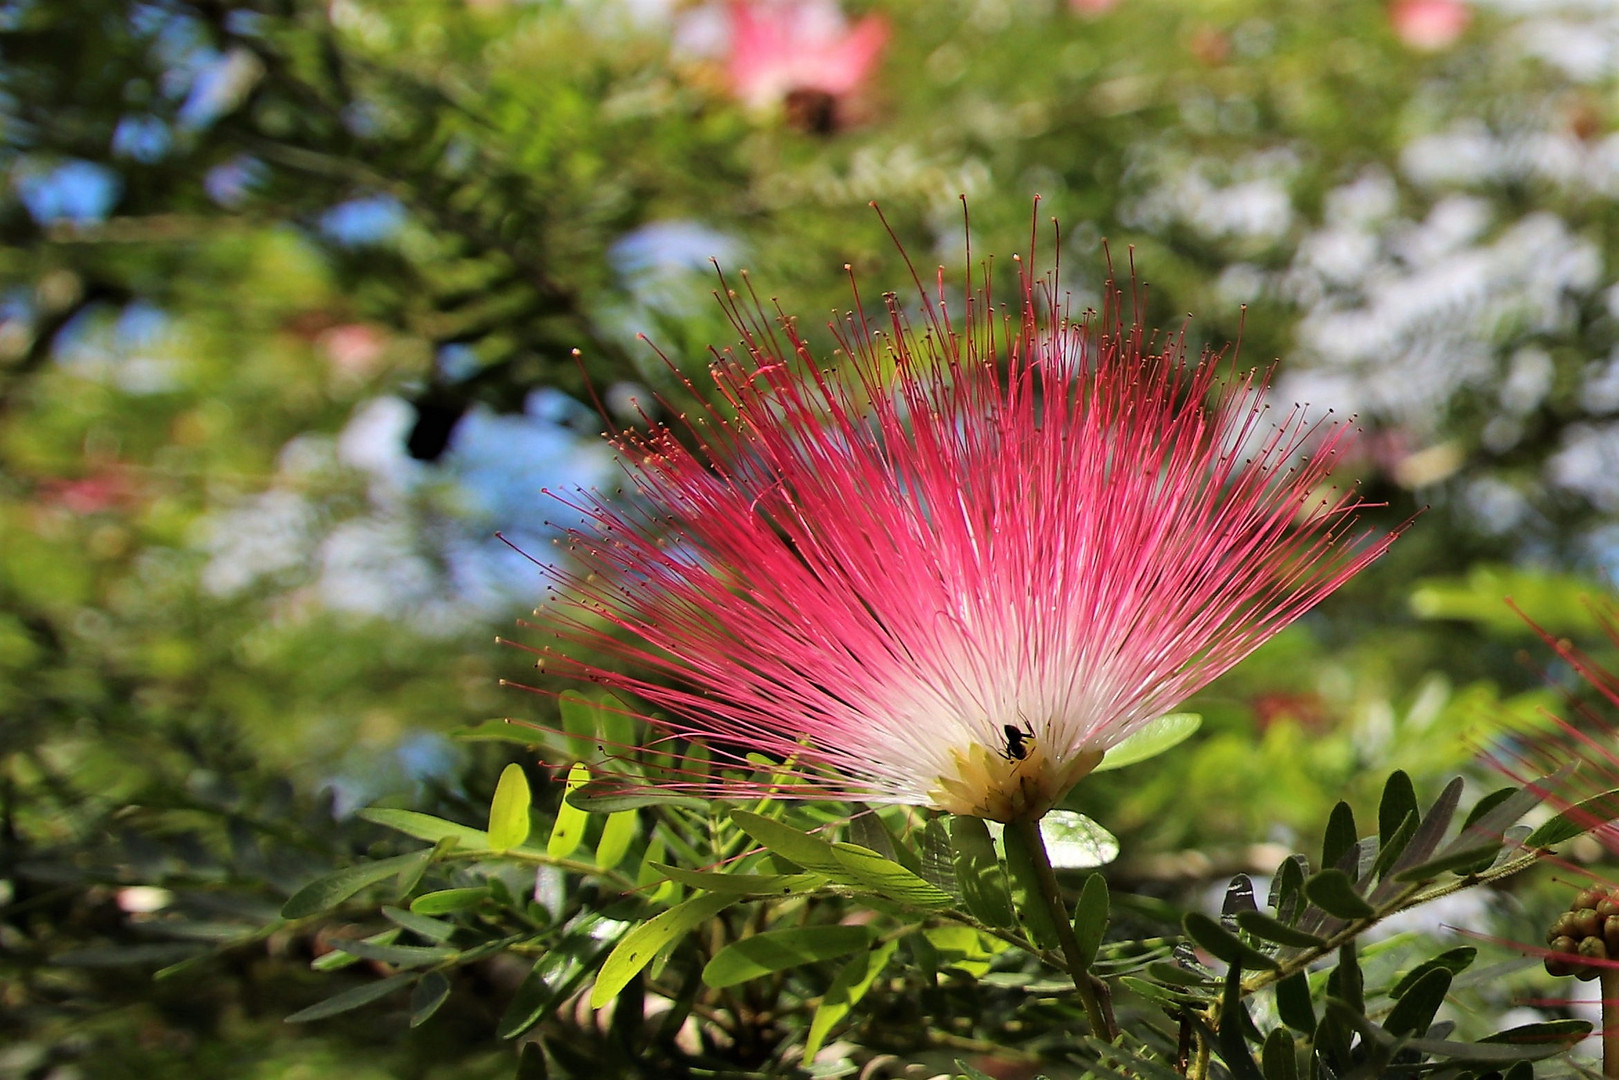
x,y
1028,829
1610,1022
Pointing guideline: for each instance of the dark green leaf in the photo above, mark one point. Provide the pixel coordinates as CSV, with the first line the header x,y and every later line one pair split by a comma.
x,y
1334,893
1340,837
1399,799
1222,943
402,956
527,1006
1415,1009
1452,961
1287,888
1433,827
352,999
1033,910
1346,981
1279,1059
1090,921
1293,1003
531,1063
435,930
1235,1024
325,893
1264,927
1461,860
431,992
850,985
779,950
979,873
1394,845
1239,897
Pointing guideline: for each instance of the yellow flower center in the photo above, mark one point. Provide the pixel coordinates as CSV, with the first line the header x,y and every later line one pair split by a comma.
x,y
1007,787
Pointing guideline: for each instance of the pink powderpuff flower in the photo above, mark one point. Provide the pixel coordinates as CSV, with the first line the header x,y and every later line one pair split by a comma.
x,y
1429,25
958,564
781,48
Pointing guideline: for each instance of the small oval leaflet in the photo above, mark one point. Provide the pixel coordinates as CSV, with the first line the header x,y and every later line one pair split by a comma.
x,y
1157,736
1075,842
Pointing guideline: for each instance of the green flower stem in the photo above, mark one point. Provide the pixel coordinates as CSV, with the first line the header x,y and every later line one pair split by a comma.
x,y
1101,1019
1610,1022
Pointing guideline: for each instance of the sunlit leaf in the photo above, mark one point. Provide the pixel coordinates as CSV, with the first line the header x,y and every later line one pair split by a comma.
x,y
1151,740
637,948
568,832
509,810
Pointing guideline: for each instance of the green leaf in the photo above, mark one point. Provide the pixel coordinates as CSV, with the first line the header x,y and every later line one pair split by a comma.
x,y
799,848
1455,961
1340,837
778,950
508,811
1469,859
618,833
1334,893
1399,799
889,879
528,1005
352,999
1090,921
1548,1031
937,862
568,832
1151,740
531,1063
1032,907
426,827
743,884
446,901
1577,819
325,893
979,873
435,930
1265,928
1293,1003
1279,1060
432,991
580,723
1414,1011
1390,850
403,956
850,985
1075,842
1222,943
606,795
637,948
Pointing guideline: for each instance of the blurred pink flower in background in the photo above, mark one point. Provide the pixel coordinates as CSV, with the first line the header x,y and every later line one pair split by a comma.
x,y
1092,7
1429,25
782,49
955,567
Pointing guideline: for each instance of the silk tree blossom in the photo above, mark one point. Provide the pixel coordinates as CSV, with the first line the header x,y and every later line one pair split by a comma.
x,y
954,563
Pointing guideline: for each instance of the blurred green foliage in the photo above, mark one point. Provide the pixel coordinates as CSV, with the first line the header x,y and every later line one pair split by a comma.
x,y
273,274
